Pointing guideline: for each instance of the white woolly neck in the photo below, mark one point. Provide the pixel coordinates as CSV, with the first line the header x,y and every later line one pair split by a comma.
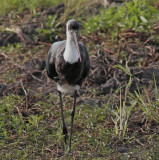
x,y
70,54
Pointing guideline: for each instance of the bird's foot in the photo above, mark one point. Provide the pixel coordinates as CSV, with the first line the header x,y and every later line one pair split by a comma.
x,y
65,138
65,134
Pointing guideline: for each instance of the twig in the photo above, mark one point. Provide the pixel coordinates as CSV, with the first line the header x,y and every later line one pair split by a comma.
x,y
26,98
48,44
18,111
5,41
6,57
94,71
141,143
23,87
152,50
19,103
147,41
109,51
130,33
114,76
48,149
36,78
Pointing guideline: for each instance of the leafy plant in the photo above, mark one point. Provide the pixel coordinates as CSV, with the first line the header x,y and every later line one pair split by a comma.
x,y
49,32
35,119
137,15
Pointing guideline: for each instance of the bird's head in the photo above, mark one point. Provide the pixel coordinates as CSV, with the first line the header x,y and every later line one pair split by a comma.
x,y
72,28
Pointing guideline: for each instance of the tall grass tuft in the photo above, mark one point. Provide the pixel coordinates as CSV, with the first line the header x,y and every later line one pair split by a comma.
x,y
148,103
122,112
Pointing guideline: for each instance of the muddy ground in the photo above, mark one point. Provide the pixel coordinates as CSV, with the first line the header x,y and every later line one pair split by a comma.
x,y
105,76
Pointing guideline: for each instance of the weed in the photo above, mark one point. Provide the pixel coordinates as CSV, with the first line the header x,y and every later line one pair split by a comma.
x,y
49,32
34,120
122,112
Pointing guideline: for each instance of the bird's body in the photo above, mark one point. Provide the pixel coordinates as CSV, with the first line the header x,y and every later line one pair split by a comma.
x,y
68,65
68,75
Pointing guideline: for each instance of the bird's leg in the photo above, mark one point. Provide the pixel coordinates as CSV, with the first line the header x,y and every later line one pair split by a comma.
x,y
63,119
72,118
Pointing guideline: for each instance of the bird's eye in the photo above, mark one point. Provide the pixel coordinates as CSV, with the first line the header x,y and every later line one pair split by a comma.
x,y
69,28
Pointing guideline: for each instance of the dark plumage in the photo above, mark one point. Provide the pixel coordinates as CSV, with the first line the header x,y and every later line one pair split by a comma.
x,y
74,25
64,72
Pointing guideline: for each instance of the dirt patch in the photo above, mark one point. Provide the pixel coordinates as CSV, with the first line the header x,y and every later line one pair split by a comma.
x,y
104,75
107,77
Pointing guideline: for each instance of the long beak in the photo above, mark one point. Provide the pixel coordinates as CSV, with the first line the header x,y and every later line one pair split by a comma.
x,y
76,43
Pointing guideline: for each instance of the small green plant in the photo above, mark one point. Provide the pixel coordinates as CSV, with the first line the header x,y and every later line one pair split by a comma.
x,y
35,119
49,32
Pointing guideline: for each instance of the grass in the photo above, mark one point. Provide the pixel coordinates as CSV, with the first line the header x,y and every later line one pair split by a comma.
x,y
50,32
35,131
36,134
148,104
136,15
74,9
18,6
30,125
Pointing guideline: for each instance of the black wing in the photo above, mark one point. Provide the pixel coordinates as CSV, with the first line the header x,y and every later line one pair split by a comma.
x,y
86,61
51,59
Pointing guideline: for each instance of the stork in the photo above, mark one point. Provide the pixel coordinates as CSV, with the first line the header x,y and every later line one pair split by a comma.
x,y
68,65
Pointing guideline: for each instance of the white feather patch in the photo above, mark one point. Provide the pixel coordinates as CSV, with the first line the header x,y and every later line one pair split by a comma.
x,y
71,54
66,88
